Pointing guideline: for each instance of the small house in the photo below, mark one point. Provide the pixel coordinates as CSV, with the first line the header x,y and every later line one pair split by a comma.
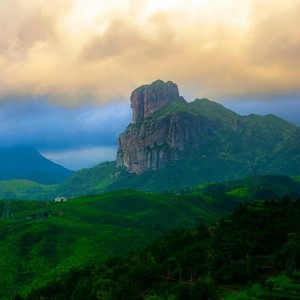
x,y
60,199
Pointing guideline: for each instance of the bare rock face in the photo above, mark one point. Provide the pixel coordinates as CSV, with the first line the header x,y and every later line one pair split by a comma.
x,y
148,99
151,143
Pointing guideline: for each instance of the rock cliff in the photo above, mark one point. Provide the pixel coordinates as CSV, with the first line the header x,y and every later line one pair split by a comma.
x,y
156,135
151,145
150,98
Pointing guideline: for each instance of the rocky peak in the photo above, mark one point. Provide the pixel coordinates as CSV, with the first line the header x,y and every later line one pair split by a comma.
x,y
205,134
150,98
151,144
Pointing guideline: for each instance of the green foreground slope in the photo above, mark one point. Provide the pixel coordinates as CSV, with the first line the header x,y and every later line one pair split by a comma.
x,y
26,189
43,240
252,254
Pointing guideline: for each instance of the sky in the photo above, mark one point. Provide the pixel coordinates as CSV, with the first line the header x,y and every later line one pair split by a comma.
x,y
67,68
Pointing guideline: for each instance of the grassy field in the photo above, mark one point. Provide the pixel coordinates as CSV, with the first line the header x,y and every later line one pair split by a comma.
x,y
43,240
25,189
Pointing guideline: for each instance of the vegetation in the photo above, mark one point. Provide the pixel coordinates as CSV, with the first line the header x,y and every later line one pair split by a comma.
x,y
196,237
177,177
26,189
255,250
42,240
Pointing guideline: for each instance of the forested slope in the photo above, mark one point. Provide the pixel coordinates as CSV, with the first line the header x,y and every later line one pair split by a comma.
x,y
255,242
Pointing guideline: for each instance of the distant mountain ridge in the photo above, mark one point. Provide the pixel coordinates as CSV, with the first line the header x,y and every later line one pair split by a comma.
x,y
20,162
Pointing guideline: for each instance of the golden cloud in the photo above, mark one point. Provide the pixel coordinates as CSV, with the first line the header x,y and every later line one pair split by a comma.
x,y
214,50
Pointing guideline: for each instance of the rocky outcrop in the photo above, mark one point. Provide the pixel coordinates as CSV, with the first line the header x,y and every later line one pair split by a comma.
x,y
148,99
152,144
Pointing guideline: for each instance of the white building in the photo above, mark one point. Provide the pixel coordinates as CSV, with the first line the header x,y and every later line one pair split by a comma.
x,y
60,199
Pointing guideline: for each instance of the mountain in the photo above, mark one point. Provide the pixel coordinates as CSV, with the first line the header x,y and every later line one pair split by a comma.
x,y
173,144
27,163
218,143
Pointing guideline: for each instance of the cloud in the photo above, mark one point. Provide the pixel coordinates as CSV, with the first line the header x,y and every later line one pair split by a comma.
x,y
67,68
48,126
130,43
74,49
118,39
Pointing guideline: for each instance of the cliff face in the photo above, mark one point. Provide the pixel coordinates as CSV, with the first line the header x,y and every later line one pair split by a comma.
x,y
148,99
150,144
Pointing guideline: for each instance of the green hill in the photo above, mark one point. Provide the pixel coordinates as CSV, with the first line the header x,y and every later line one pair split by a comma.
x,y
26,189
252,254
43,240
177,176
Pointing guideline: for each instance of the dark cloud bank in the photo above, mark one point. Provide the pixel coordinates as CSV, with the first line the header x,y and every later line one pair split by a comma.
x,y
49,126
